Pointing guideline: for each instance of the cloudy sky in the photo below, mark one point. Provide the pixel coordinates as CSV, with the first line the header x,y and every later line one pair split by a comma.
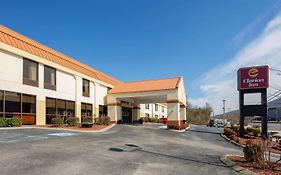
x,y
220,82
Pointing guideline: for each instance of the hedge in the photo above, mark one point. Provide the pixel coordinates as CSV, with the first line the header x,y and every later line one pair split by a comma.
x,y
10,122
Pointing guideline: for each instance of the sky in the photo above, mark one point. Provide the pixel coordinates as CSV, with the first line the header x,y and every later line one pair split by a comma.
x,y
204,41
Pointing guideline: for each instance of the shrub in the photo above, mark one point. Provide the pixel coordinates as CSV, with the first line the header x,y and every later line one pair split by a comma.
x,y
152,119
57,121
3,122
252,152
228,132
141,121
234,138
72,121
145,119
13,122
253,130
87,119
103,120
235,129
176,127
256,131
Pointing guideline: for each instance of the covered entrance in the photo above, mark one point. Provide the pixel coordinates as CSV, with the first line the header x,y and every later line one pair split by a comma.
x,y
170,91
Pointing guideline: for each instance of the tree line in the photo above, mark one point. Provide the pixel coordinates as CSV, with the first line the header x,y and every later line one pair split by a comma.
x,y
198,115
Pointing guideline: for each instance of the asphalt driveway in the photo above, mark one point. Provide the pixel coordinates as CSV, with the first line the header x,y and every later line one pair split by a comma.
x,y
122,150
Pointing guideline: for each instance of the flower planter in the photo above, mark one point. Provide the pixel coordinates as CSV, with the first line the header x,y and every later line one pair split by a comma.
x,y
86,125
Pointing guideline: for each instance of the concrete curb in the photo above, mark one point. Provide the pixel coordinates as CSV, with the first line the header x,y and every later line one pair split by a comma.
x,y
183,130
235,167
231,141
61,129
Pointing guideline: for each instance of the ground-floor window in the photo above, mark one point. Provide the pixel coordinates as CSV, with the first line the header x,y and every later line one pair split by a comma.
x,y
1,103
18,105
59,108
146,115
86,109
102,110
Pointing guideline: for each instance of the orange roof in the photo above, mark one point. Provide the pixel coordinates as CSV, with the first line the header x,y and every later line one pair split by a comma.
x,y
147,85
19,41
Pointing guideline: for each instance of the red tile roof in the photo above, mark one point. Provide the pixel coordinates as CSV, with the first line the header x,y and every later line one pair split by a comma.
x,y
147,85
19,41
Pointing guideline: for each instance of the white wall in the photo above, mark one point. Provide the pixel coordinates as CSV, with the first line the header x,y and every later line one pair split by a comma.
x,y
68,87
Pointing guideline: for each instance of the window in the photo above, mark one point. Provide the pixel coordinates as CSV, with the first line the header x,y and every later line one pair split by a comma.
x,y
30,72
28,104
12,104
163,109
70,105
86,88
59,108
17,105
146,115
146,106
102,110
1,103
50,109
156,107
49,78
86,109
156,116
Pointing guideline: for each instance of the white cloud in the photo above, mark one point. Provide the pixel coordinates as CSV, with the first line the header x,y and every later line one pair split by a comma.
x,y
220,82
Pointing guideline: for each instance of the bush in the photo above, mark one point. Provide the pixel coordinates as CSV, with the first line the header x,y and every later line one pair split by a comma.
x,y
176,127
87,119
13,122
145,119
3,122
57,121
72,121
235,129
141,121
234,138
103,120
253,130
252,152
152,119
228,132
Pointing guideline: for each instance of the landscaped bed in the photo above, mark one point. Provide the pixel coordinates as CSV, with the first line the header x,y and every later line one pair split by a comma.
x,y
241,161
251,135
93,128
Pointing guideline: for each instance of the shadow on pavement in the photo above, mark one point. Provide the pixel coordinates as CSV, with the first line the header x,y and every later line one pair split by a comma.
x,y
209,132
218,164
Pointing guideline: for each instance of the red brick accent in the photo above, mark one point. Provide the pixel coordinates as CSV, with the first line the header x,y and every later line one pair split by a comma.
x,y
173,101
113,104
182,106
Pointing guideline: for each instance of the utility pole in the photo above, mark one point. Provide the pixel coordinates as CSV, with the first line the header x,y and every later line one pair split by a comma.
x,y
223,107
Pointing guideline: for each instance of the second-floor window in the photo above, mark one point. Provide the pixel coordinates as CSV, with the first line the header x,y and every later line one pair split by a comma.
x,y
146,106
30,72
162,109
156,107
49,78
86,88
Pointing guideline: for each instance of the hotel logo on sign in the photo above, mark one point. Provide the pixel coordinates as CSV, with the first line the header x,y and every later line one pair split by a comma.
x,y
253,77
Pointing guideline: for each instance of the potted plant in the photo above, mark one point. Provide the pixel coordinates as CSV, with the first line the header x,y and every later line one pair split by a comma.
x,y
87,121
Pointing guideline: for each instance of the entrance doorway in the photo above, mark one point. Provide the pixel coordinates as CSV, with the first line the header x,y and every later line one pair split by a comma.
x,y
127,116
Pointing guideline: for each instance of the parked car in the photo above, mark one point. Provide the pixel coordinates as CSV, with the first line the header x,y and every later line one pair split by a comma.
x,y
163,120
216,123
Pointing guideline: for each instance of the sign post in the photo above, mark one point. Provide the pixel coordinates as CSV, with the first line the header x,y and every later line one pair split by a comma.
x,y
253,80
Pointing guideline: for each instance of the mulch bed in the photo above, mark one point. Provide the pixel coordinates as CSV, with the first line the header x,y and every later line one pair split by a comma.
x,y
249,165
93,128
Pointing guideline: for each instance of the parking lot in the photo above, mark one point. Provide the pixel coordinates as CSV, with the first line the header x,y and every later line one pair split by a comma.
x,y
123,149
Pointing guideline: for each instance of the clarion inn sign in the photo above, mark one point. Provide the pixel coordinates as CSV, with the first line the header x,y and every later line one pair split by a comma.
x,y
253,77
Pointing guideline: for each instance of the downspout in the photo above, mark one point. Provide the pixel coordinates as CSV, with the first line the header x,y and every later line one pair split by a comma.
x,y
95,99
